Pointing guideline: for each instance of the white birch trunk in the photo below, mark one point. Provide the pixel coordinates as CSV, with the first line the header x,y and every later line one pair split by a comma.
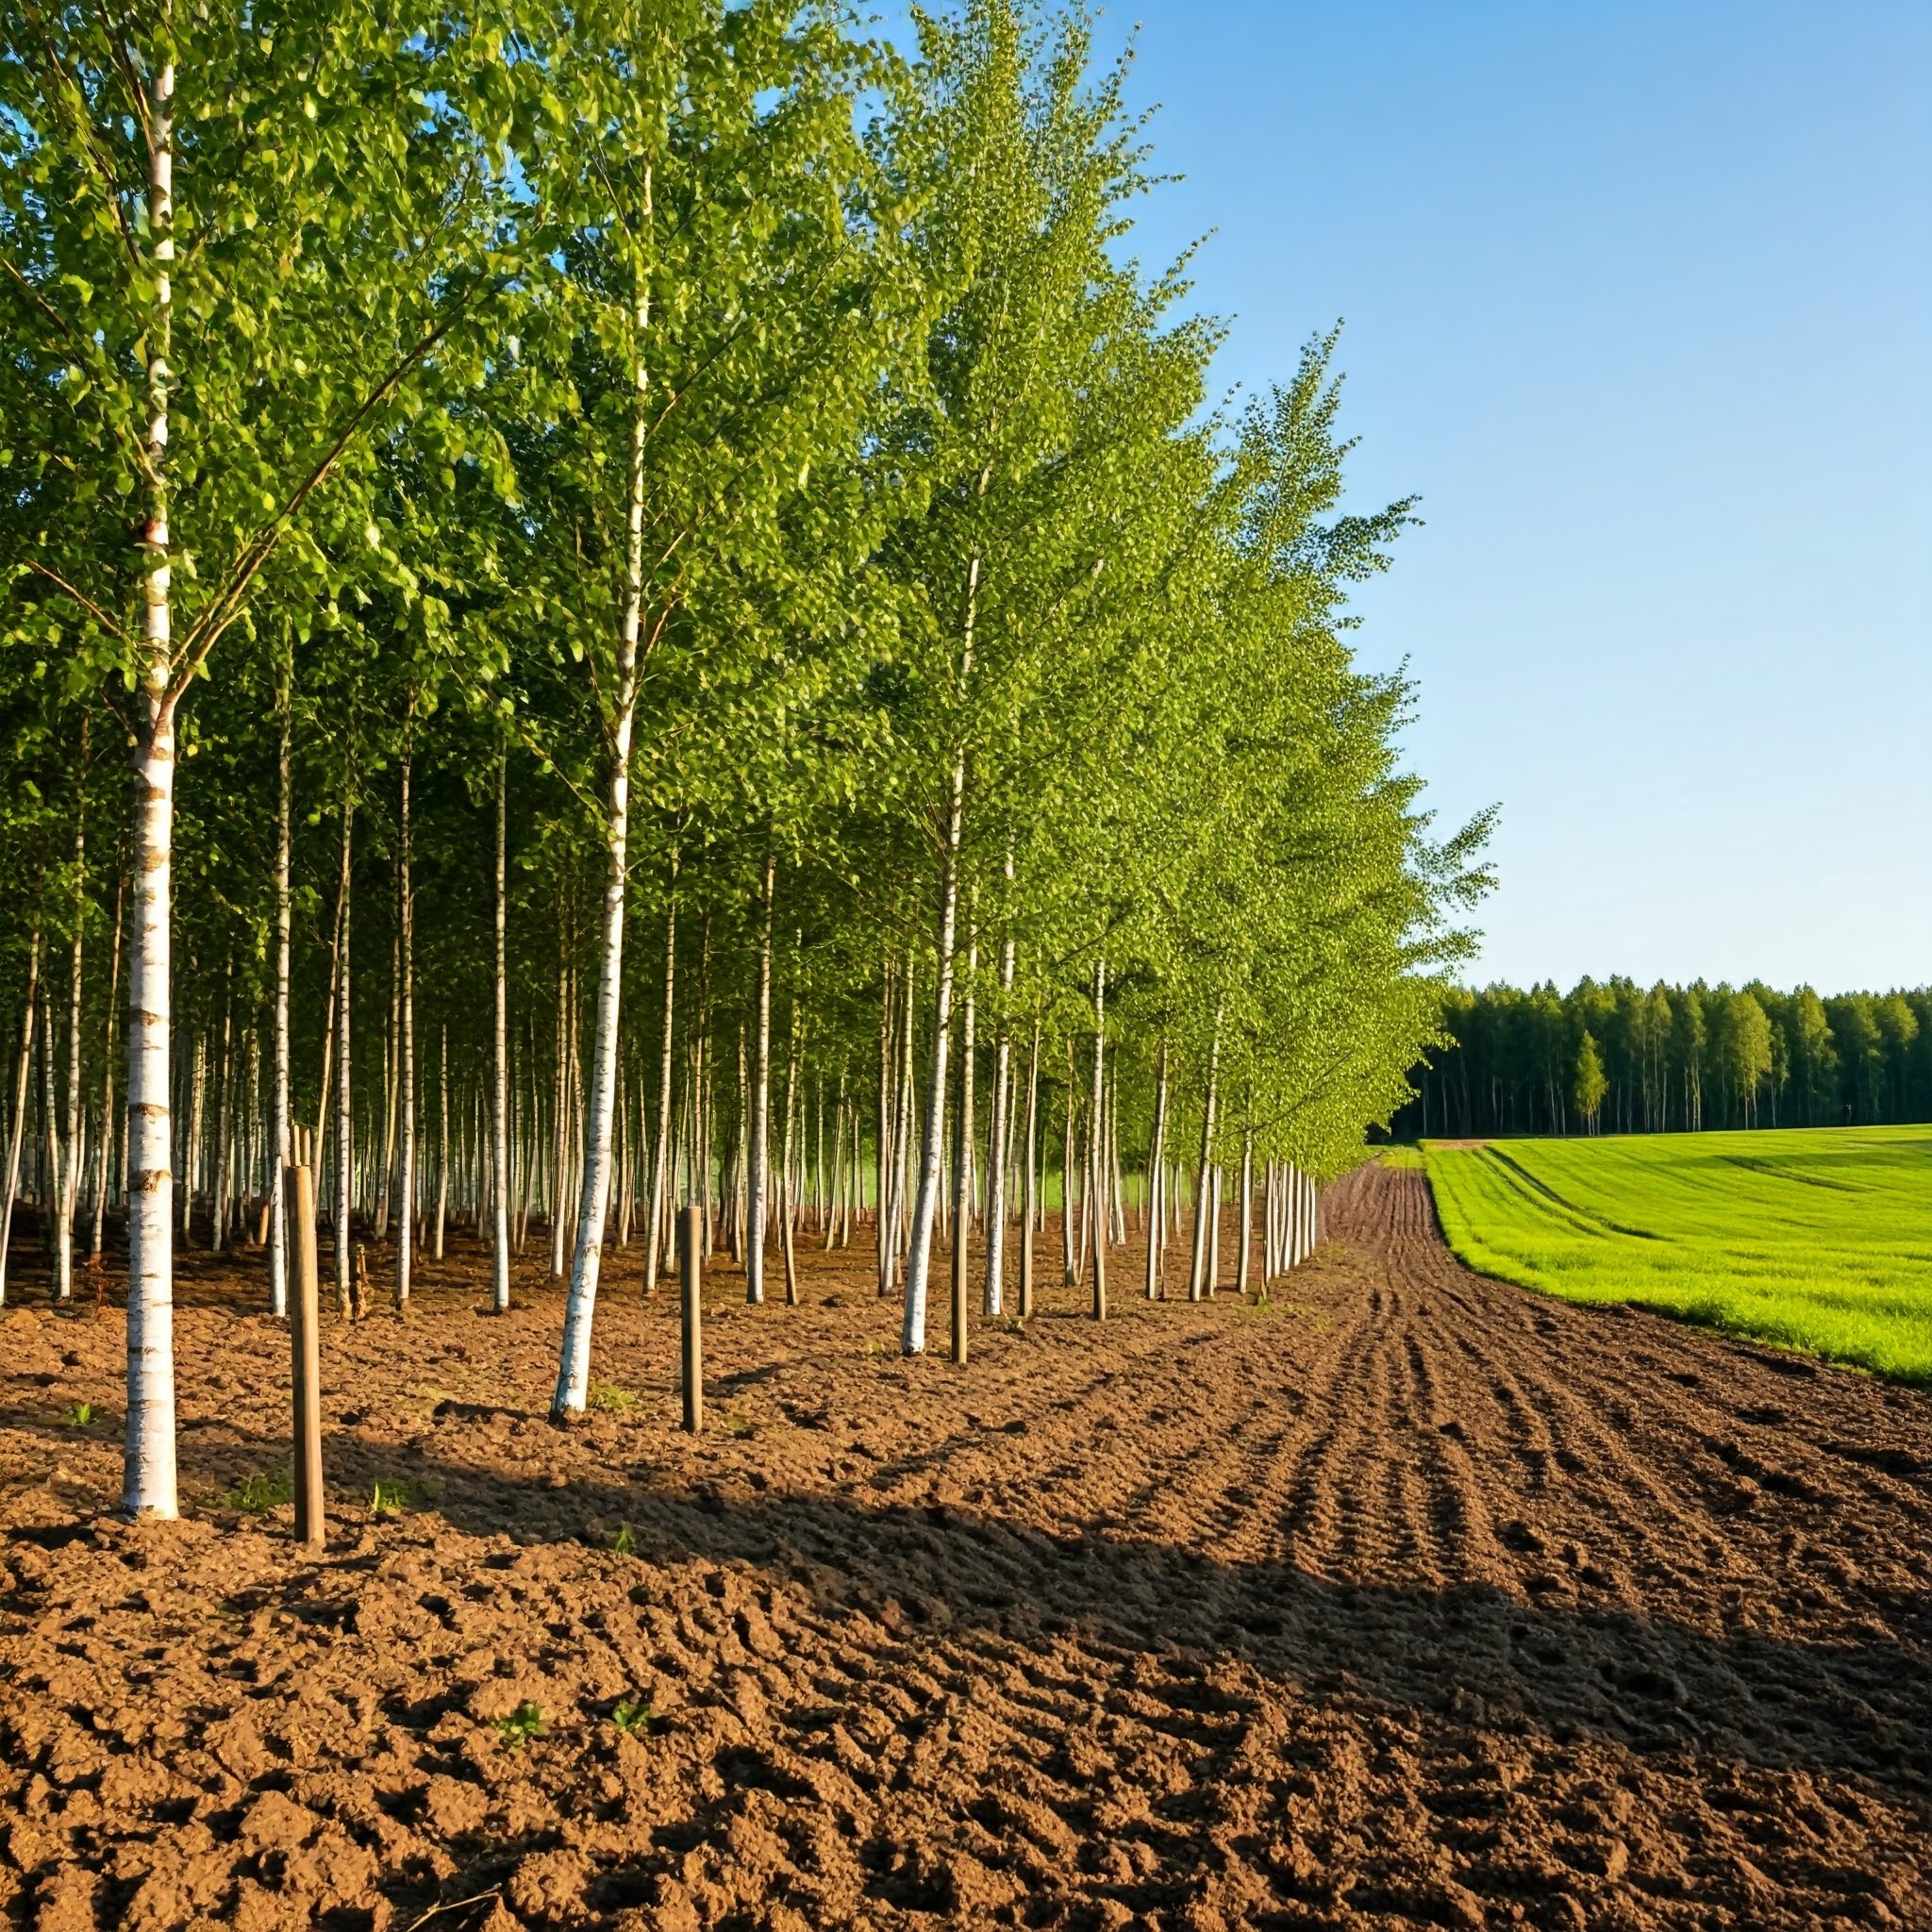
x,y
67,1175
499,1086
23,1080
573,1369
758,1180
441,1149
1201,1260
660,1164
999,1131
402,1102
919,1249
148,1479
1030,1187
279,1136
1247,1211
225,1114
345,1117
1156,1193
1098,1205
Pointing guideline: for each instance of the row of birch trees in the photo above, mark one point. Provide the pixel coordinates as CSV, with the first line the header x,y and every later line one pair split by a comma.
x,y
684,626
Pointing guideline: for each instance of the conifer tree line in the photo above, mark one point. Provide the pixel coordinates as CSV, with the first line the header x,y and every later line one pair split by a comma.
x,y
684,629
1614,1058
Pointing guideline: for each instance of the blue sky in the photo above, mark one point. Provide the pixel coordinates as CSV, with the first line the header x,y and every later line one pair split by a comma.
x,y
1639,298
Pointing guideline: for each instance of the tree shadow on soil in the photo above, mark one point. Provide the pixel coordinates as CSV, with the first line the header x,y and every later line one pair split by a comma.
x,y
1471,1654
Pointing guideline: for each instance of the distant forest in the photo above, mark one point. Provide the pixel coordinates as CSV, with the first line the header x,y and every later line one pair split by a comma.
x,y
1610,1057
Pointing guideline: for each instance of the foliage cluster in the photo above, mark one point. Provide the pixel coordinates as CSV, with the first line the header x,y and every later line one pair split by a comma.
x,y
753,464
1673,1058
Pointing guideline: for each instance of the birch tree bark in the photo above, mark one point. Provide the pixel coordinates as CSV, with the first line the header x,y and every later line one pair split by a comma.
x,y
660,1164
1097,1185
499,1083
1029,1203
999,1128
403,1105
1157,1155
148,1476
442,1147
23,1080
1247,1211
758,1181
1204,1207
278,1132
963,1163
918,1248
345,1117
573,1369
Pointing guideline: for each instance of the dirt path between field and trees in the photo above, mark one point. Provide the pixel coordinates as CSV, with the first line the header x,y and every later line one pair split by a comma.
x,y
1411,1600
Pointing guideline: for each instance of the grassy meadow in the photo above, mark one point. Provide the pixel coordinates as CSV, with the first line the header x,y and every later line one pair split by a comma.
x,y
1814,1239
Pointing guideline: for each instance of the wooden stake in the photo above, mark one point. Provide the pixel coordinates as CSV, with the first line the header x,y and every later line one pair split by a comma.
x,y
299,1192
691,1262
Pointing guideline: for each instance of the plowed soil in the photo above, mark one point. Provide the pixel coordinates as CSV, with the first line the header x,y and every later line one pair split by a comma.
x,y
1410,1600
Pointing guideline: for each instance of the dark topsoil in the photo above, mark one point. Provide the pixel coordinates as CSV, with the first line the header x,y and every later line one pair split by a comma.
x,y
1409,1600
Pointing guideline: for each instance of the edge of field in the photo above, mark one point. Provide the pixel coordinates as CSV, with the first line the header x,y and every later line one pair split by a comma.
x,y
1700,1309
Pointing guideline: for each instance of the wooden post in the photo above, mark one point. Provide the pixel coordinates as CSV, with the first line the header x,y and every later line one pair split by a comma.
x,y
691,1262
299,1192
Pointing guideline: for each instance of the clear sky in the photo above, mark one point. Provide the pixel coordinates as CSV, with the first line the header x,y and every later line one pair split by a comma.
x,y
1639,298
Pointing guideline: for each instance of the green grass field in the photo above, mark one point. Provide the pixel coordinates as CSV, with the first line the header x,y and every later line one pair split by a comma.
x,y
1818,1240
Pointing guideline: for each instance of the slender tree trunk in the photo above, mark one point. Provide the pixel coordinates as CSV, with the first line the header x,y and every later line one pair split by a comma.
x,y
918,1252
1073,1257
225,1112
106,1091
962,1158
788,1206
1099,1211
67,1176
1214,1234
1197,1275
758,1181
908,1109
23,1081
280,1152
405,1102
660,1166
1247,1210
1157,1205
148,1485
345,1117
573,1369
999,1130
1028,1185
442,1147
560,1107
499,1081
885,1149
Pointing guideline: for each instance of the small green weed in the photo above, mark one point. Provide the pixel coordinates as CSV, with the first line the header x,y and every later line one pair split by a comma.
x,y
626,1544
608,1396
632,1717
524,1723
1012,1324
875,1348
256,1494
740,1426
390,1497
80,1415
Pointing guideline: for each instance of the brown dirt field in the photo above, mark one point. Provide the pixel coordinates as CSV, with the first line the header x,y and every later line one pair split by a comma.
x,y
1410,1601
